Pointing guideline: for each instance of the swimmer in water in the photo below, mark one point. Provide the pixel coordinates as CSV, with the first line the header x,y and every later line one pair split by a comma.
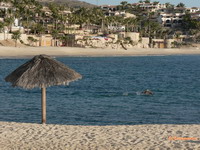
x,y
147,92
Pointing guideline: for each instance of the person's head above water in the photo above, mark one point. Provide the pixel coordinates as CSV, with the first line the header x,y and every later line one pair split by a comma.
x,y
147,92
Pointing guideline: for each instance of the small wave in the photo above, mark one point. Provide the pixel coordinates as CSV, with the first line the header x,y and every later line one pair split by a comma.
x,y
125,94
138,93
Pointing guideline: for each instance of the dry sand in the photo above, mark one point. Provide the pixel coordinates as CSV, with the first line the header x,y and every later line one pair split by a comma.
x,y
10,52
24,136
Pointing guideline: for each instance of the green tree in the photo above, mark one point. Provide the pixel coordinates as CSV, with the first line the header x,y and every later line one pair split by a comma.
x,y
81,16
55,35
8,21
39,29
123,5
16,36
147,1
156,2
32,40
1,26
181,5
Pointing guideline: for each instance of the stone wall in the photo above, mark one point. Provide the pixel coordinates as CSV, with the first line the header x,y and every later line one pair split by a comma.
x,y
133,35
44,40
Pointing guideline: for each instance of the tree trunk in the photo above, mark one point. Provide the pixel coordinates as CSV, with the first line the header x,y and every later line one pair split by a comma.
x,y
27,21
43,105
40,40
4,34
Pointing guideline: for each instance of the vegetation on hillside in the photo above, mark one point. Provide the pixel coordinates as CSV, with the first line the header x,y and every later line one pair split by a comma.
x,y
57,20
69,3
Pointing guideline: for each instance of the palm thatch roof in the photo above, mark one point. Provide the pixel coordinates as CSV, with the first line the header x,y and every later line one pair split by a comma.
x,y
42,71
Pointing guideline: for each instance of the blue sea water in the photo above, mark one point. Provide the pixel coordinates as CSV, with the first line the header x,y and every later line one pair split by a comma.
x,y
109,93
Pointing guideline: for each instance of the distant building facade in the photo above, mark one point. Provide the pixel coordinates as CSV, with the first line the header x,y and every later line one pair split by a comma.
x,y
193,9
152,6
111,10
171,19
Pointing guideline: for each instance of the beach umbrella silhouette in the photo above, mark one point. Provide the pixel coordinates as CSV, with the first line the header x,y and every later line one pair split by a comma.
x,y
42,71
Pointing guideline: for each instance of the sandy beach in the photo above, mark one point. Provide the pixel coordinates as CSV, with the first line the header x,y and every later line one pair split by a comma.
x,y
67,137
16,52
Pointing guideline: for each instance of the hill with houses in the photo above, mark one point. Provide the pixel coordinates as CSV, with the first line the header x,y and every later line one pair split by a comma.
x,y
143,24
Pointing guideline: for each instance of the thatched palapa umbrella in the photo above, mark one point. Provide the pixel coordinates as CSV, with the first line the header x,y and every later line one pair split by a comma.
x,y
42,71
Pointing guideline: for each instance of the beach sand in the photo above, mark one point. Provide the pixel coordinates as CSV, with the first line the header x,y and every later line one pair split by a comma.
x,y
17,52
15,136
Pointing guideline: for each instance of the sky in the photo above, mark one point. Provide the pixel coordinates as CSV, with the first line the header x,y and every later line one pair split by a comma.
x,y
188,3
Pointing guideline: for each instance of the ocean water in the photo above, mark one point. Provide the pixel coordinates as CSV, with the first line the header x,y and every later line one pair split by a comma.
x,y
110,92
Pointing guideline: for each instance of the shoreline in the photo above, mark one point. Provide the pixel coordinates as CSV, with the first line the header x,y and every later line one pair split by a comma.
x,y
148,136
27,52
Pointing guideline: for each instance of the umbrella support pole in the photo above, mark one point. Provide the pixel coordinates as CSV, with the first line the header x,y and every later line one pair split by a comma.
x,y
43,105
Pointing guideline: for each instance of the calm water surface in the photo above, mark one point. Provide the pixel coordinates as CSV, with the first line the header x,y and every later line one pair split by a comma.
x,y
109,93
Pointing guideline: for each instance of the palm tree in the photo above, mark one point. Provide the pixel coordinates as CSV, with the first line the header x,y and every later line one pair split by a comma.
x,y
81,16
8,22
154,28
1,26
181,5
32,40
55,10
72,19
147,1
130,24
28,10
40,29
16,36
123,5
156,2
192,26
96,16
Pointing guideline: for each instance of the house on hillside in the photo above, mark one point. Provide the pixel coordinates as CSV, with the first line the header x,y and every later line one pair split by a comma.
x,y
16,25
171,20
193,9
3,8
196,15
151,7
111,10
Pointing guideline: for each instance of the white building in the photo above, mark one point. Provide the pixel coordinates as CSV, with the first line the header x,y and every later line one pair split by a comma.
x,y
3,7
116,27
171,19
111,10
195,15
129,15
152,6
193,9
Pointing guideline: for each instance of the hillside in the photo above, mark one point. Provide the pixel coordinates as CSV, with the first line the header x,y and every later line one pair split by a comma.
x,y
70,3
